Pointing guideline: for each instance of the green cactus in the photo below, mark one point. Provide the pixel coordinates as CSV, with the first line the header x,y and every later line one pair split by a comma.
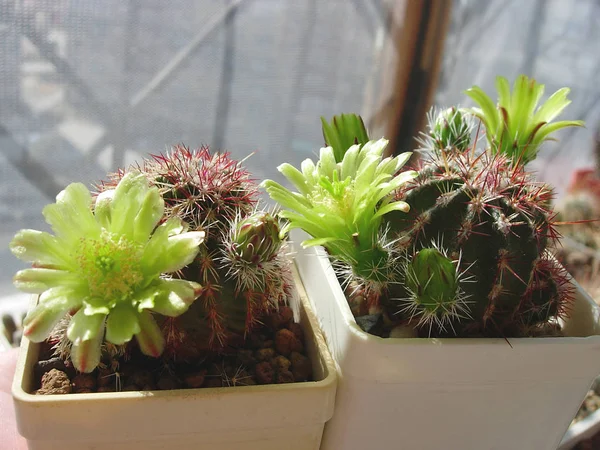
x,y
342,205
434,286
485,211
241,265
451,129
469,257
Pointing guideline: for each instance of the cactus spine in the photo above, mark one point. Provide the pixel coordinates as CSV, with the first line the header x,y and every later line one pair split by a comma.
x,y
242,265
470,255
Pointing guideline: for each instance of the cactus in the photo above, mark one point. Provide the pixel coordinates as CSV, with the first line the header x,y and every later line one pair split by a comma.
x,y
493,222
469,256
342,205
241,265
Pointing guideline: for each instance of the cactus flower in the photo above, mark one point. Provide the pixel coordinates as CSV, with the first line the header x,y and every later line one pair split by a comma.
x,y
451,129
517,126
256,238
341,205
105,266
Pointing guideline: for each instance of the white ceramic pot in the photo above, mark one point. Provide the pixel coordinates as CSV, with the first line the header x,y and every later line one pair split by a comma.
x,y
584,429
270,417
463,394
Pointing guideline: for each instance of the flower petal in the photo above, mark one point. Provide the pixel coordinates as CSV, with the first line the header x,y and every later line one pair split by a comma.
x,y
53,305
38,280
127,202
169,254
85,355
85,327
103,208
71,216
181,251
40,248
122,324
150,338
150,213
172,297
97,305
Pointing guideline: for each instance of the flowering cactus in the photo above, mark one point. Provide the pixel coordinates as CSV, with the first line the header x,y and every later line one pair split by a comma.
x,y
241,264
342,204
104,266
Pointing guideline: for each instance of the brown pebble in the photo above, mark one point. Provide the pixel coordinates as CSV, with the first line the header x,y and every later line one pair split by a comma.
x,y
142,378
297,329
214,370
280,318
245,357
105,377
255,341
128,370
195,379
167,382
106,389
264,373
84,391
84,382
129,388
281,363
286,342
301,366
213,382
284,376
55,382
264,354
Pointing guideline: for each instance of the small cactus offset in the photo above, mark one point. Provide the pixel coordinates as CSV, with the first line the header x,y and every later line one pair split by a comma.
x,y
241,265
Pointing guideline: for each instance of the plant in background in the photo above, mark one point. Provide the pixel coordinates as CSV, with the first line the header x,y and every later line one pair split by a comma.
x,y
342,204
241,265
469,257
104,269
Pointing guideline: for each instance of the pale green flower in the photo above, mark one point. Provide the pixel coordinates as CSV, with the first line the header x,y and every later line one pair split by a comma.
x,y
517,126
341,205
104,266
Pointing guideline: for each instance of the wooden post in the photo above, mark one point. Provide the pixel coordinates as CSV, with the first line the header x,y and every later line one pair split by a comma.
x,y
411,66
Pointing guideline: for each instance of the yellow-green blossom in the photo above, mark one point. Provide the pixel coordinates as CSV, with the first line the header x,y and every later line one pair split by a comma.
x,y
517,126
105,265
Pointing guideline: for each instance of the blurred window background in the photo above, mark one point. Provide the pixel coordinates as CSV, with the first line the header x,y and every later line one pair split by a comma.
x,y
87,86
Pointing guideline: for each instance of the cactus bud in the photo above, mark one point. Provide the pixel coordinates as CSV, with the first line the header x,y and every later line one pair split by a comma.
x,y
432,279
256,239
451,129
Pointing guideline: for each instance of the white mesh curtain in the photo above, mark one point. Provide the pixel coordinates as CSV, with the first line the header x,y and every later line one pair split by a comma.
x,y
90,85
555,41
